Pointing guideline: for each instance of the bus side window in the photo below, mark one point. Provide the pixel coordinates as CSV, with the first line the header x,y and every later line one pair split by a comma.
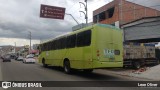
x,y
50,46
56,43
44,45
71,41
63,42
84,38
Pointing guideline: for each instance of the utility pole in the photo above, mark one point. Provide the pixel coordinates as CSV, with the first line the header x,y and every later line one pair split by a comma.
x,y
15,48
121,13
86,11
30,40
72,17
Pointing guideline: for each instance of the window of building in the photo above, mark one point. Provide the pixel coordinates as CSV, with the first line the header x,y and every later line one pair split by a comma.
x,y
110,12
102,16
95,19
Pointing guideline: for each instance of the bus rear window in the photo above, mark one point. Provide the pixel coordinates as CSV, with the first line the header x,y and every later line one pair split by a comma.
x,y
84,38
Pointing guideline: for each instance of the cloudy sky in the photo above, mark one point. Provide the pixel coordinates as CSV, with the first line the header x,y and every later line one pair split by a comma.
x,y
18,17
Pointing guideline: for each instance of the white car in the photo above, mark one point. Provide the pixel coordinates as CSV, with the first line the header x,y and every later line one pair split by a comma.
x,y
29,59
20,58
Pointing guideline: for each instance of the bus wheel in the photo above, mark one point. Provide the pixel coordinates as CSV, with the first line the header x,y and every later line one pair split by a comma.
x,y
136,65
157,62
43,62
67,67
88,70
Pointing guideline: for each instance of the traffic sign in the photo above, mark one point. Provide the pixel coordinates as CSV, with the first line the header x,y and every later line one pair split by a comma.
x,y
53,12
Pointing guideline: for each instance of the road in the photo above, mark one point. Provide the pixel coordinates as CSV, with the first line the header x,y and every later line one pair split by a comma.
x,y
18,71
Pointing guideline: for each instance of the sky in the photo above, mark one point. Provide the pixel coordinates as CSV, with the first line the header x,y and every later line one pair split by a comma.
x,y
19,17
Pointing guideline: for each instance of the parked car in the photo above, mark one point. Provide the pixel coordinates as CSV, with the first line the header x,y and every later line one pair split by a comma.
x,y
20,58
29,59
13,57
2,57
7,58
16,57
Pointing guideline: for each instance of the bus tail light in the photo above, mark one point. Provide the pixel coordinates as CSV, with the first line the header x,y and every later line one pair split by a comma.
x,y
98,54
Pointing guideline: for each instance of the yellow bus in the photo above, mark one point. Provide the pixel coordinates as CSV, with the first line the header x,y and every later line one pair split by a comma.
x,y
92,47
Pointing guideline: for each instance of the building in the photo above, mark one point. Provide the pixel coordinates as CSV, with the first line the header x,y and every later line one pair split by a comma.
x,y
6,50
122,11
143,30
35,46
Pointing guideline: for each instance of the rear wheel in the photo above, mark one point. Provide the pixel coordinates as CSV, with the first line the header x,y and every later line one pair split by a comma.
x,y
67,67
137,65
157,62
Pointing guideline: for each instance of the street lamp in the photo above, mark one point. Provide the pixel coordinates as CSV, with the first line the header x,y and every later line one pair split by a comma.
x,y
86,14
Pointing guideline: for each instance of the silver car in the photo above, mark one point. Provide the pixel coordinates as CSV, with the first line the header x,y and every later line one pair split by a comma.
x,y
20,58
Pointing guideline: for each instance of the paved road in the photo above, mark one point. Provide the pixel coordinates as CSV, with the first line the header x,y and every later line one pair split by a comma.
x,y
18,71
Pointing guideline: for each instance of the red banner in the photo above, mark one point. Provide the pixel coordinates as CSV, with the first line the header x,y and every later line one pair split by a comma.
x,y
52,12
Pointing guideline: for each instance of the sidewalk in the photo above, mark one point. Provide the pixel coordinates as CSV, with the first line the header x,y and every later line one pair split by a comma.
x,y
150,73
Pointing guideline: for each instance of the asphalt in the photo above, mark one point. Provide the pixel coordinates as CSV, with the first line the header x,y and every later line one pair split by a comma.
x,y
18,71
0,73
0,76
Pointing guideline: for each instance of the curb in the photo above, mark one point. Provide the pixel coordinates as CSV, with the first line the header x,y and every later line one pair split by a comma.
x,y
131,75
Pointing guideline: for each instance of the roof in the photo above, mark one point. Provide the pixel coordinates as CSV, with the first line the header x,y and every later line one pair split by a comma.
x,y
141,20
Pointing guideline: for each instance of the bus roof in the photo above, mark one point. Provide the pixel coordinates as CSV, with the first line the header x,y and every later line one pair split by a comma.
x,y
98,25
108,26
83,29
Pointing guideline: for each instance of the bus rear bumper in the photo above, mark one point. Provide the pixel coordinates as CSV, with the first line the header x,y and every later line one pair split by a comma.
x,y
99,64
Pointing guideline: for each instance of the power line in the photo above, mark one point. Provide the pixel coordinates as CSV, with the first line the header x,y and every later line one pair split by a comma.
x,y
72,6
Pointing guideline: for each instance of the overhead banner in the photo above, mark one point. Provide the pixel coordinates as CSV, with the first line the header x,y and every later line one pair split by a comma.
x,y
53,12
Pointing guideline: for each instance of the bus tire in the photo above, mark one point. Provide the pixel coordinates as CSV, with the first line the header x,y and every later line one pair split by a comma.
x,y
44,65
66,66
157,62
137,65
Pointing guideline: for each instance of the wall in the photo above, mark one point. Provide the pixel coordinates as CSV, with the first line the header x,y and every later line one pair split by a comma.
x,y
124,12
148,31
